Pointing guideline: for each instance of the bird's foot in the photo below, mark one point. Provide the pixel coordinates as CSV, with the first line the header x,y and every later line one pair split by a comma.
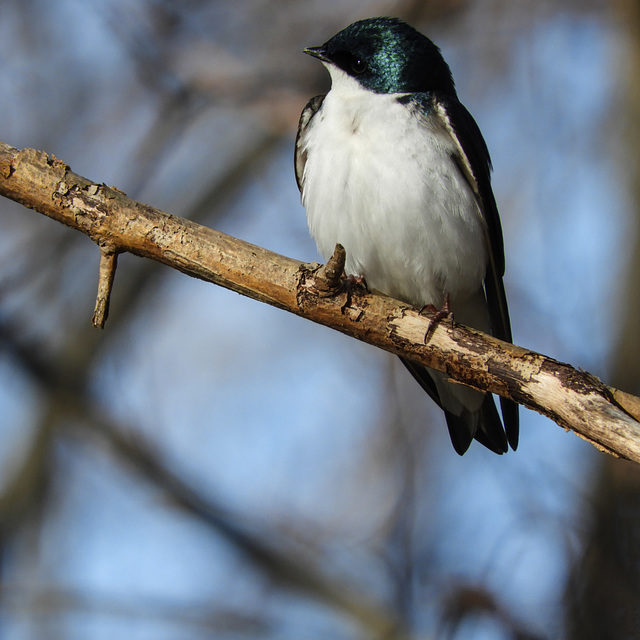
x,y
331,279
438,316
350,284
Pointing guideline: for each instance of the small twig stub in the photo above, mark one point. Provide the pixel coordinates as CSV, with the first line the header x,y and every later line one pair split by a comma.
x,y
106,275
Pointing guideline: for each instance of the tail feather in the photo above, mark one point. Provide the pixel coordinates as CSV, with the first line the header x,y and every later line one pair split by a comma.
x,y
483,425
490,431
511,418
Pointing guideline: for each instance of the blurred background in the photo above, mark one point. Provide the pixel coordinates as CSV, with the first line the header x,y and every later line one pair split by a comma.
x,y
210,467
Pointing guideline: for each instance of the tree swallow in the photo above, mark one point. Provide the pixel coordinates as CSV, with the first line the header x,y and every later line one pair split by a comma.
x,y
393,167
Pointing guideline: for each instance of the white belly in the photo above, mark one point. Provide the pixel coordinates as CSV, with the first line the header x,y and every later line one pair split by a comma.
x,y
385,186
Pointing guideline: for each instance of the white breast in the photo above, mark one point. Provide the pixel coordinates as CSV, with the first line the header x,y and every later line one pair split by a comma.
x,y
381,180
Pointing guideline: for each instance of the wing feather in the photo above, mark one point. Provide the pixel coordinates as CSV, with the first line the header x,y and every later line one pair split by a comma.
x,y
300,159
475,162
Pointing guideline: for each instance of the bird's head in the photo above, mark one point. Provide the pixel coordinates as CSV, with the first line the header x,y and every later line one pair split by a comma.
x,y
386,55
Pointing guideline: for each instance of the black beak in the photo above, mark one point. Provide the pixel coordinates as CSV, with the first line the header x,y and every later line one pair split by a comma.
x,y
317,52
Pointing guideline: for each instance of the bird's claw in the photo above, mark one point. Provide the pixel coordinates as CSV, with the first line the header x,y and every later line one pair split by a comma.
x,y
349,284
438,316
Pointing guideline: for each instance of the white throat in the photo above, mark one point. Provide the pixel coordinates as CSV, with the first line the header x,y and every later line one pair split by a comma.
x,y
342,84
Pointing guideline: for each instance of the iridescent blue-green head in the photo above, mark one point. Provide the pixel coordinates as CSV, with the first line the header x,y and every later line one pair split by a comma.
x,y
386,55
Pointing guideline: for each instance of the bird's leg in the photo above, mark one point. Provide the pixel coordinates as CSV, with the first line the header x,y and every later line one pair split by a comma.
x,y
350,283
438,315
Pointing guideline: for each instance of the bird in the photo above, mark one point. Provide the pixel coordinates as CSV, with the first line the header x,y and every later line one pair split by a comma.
x,y
393,167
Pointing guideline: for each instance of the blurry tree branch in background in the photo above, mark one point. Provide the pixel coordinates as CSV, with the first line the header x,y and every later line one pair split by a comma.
x,y
282,562
574,399
604,587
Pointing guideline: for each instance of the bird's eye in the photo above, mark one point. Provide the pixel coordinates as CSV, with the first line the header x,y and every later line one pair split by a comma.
x,y
358,66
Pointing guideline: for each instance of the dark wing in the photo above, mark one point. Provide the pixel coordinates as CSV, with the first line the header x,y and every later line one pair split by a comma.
x,y
477,161
300,157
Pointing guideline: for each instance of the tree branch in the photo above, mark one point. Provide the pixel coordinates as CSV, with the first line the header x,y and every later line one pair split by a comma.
x,y
574,399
